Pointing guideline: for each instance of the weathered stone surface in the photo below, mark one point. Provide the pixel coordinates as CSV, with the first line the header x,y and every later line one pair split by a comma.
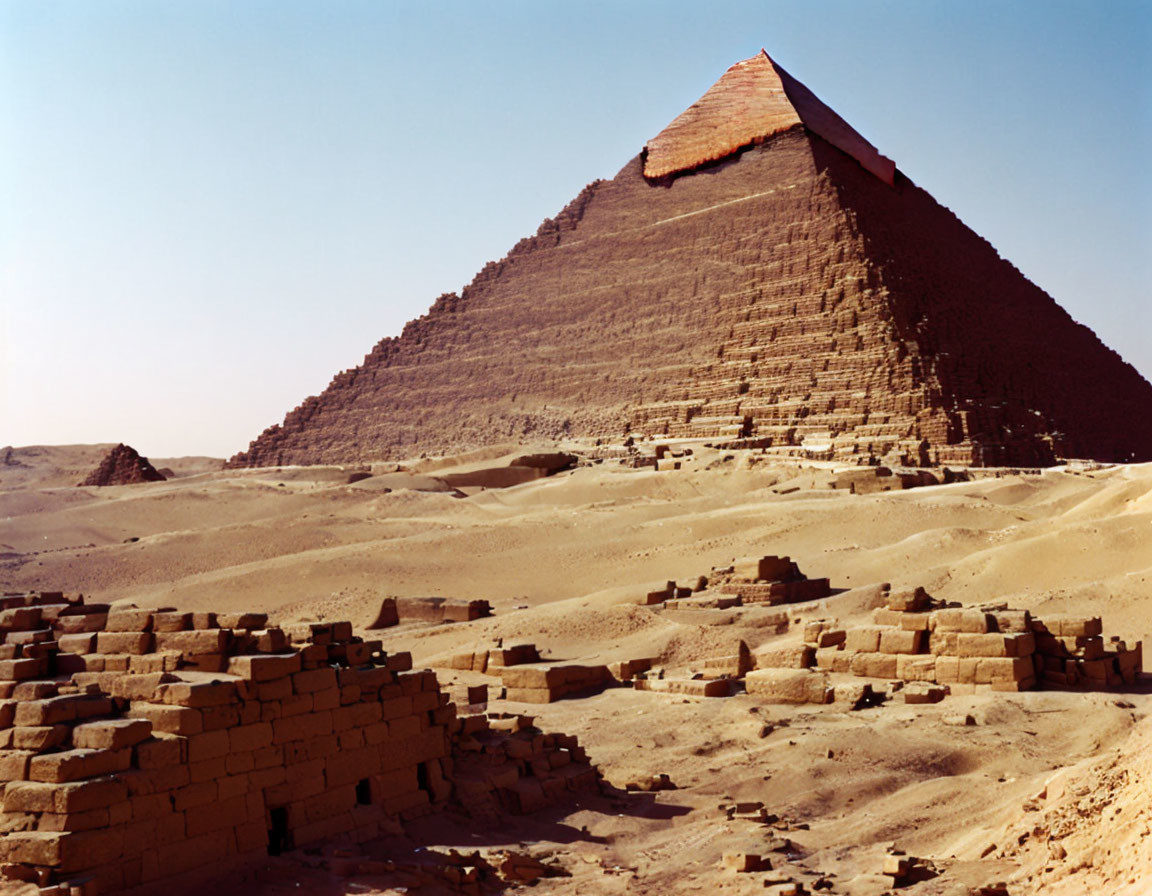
x,y
782,293
123,466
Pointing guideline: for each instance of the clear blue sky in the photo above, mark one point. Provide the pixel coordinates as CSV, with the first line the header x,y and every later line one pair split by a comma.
x,y
207,209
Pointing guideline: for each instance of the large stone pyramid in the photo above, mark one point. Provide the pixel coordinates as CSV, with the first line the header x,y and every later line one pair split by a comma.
x,y
761,272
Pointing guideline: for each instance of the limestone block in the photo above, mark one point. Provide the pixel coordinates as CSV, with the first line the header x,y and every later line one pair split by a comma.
x,y
864,639
961,619
794,656
200,641
264,667
916,668
128,619
874,665
111,734
74,765
789,686
901,641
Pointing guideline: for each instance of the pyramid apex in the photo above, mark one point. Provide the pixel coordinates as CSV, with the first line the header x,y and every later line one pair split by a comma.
x,y
751,102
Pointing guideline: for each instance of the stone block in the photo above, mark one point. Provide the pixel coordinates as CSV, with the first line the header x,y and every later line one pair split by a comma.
x,y
207,641
874,665
123,642
75,765
916,668
264,667
128,619
863,639
170,719
171,622
793,656
789,686
112,734
895,641
962,619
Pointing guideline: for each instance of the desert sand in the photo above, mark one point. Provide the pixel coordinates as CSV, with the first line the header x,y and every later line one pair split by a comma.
x,y
1046,790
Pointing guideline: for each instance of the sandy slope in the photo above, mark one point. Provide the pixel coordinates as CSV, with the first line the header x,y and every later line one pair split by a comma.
x,y
577,549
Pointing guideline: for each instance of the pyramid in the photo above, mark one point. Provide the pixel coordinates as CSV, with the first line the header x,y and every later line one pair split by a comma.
x,y
759,272
123,465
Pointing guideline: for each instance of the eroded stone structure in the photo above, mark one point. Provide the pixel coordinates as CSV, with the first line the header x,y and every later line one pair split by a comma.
x,y
759,273
143,747
123,465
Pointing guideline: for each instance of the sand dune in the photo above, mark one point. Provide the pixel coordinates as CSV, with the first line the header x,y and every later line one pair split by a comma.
x,y
563,560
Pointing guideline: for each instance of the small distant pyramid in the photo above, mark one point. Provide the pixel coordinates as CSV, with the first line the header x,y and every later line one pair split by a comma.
x,y
123,466
759,273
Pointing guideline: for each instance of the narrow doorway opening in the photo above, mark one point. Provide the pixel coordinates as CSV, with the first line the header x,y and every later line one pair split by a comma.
x,y
363,792
279,837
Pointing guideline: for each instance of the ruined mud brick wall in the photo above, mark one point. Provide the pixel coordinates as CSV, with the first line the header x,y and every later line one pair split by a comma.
x,y
484,660
782,293
917,639
778,580
139,744
441,609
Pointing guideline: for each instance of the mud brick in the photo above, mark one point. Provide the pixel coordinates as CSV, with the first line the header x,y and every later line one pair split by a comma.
x,y
242,620
961,619
39,739
341,631
916,668
129,619
297,704
197,694
14,765
170,719
1094,670
123,643
874,665
864,639
314,680
199,641
171,622
75,765
23,669
895,641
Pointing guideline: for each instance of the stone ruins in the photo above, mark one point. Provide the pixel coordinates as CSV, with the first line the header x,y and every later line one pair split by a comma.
x,y
142,748
758,273
123,466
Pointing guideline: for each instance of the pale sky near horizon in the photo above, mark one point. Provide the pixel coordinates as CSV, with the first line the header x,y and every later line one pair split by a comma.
x,y
208,209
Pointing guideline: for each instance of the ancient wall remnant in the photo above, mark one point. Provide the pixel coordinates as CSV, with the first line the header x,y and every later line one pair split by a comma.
x,y
139,745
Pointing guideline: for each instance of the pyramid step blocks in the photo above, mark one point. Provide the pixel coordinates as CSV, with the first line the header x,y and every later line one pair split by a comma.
x,y
758,273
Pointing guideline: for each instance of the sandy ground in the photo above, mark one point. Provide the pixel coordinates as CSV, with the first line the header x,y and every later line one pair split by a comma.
x,y
1049,791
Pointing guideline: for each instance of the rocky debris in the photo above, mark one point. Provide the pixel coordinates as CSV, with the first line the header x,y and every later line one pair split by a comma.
x,y
837,318
651,784
148,745
123,466
777,580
